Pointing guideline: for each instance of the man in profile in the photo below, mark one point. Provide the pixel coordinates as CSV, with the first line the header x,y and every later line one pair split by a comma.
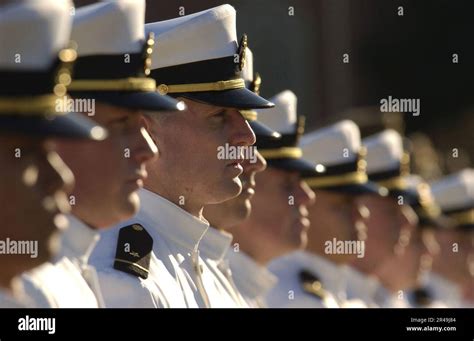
x,y
164,267
34,181
108,174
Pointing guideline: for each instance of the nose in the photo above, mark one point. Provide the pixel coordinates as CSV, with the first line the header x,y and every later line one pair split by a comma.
x,y
241,134
361,212
55,175
304,195
255,165
145,149
261,163
430,242
408,217
252,168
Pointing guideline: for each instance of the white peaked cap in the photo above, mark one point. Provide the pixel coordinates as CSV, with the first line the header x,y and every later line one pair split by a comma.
x,y
384,151
209,34
247,72
424,203
455,191
336,144
283,116
35,30
109,27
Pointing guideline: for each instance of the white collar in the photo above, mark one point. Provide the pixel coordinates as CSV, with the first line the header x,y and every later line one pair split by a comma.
x,y
384,297
362,286
250,277
78,241
442,287
321,267
327,271
215,244
161,216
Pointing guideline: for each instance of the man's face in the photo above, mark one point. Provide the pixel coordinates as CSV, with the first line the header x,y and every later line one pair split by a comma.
x,y
431,247
402,272
188,169
412,257
386,221
33,181
232,212
455,248
279,218
334,215
470,257
109,173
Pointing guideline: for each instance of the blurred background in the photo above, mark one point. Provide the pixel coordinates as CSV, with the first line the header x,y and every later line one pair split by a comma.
x,y
403,49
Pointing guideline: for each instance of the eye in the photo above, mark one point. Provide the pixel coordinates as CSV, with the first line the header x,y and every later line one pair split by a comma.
x,y
348,202
119,120
220,114
218,119
288,184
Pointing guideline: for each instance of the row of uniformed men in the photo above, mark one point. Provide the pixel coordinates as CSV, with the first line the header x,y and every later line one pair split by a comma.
x,y
168,244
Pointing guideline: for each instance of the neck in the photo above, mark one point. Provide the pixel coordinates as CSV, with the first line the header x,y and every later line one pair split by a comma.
x,y
6,283
9,284
261,258
186,203
445,270
316,247
94,219
83,218
392,280
260,253
363,266
467,290
219,225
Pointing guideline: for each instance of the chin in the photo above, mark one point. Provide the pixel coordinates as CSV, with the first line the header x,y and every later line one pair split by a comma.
x,y
303,244
302,241
230,190
246,209
47,249
341,259
44,256
240,212
130,207
242,204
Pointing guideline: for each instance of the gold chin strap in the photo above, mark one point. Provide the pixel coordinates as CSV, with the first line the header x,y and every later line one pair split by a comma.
x,y
358,177
164,89
466,217
284,152
126,84
249,115
41,105
429,207
353,178
398,182
30,105
432,212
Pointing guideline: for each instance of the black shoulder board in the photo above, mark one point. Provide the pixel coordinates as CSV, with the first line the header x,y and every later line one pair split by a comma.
x,y
422,297
134,248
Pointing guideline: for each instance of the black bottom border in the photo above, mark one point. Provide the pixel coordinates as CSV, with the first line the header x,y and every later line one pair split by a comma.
x,y
92,324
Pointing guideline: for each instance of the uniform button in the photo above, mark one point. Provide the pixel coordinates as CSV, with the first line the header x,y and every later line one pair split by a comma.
x,y
162,89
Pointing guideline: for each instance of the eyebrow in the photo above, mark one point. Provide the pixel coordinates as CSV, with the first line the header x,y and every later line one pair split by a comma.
x,y
217,111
